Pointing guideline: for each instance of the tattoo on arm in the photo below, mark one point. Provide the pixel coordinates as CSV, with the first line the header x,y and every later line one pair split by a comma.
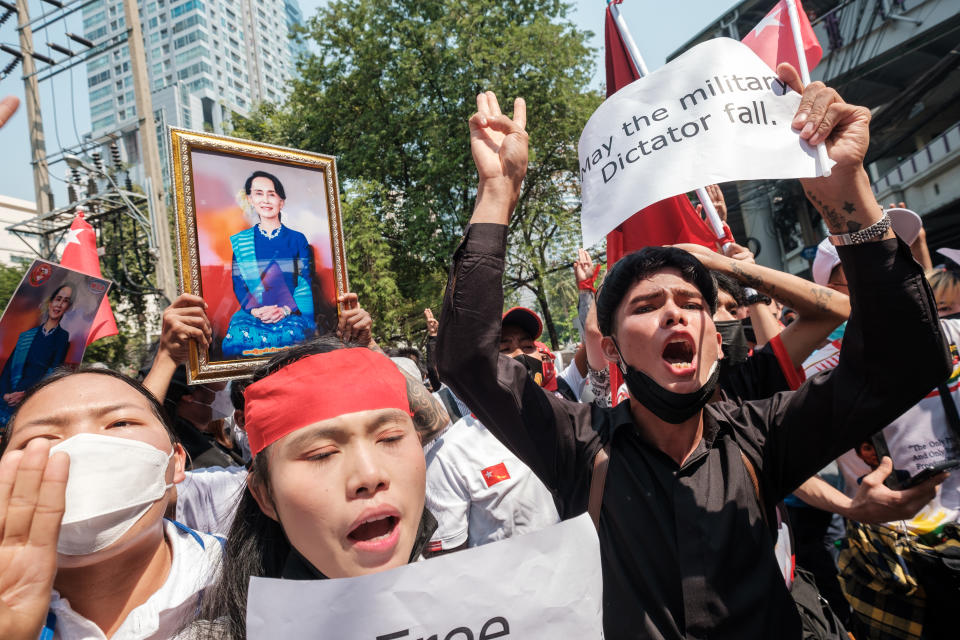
x,y
429,416
822,296
835,219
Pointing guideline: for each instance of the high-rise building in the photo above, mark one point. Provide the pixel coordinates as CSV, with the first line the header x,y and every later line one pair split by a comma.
x,y
206,60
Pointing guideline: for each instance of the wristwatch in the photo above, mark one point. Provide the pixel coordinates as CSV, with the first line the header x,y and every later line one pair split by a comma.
x,y
876,231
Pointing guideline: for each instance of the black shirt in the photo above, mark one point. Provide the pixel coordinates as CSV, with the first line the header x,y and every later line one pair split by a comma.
x,y
684,549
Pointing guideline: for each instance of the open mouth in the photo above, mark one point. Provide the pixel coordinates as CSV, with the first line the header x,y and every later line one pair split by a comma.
x,y
679,354
374,530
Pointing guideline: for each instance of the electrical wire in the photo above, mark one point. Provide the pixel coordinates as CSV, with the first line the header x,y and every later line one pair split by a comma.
x,y
73,95
56,123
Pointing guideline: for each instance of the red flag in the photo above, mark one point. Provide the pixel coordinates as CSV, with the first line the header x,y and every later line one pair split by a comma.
x,y
669,221
81,254
772,38
496,473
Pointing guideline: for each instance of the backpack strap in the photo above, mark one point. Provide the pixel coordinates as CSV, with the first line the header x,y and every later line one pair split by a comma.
x,y
752,472
598,480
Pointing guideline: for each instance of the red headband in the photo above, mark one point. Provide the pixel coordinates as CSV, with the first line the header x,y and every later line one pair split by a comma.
x,y
320,387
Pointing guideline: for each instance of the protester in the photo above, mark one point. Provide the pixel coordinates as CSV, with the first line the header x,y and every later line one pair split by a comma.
x,y
784,349
479,491
519,329
946,287
336,487
117,568
910,598
684,547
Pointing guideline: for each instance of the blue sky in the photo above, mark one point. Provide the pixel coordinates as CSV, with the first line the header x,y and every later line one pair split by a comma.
x,y
658,28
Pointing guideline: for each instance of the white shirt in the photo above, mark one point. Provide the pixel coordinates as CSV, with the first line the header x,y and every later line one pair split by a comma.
x,y
571,375
207,499
479,492
165,612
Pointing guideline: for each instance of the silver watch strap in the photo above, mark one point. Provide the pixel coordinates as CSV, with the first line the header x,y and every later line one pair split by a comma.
x,y
874,232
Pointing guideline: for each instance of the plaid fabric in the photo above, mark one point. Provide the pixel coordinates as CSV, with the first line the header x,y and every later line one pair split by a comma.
x,y
883,593
887,574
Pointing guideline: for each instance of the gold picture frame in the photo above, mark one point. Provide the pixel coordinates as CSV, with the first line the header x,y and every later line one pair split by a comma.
x,y
218,193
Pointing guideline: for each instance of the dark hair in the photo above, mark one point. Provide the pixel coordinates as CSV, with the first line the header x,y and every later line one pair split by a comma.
x,y
405,352
237,387
731,286
256,543
277,186
645,262
59,289
63,373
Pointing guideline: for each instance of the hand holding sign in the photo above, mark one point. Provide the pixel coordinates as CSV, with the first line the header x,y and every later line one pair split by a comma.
x,y
716,113
823,116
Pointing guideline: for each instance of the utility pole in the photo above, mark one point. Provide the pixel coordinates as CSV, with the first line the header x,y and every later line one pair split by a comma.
x,y
149,150
41,173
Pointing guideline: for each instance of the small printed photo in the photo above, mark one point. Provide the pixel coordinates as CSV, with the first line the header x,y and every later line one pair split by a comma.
x,y
45,326
260,227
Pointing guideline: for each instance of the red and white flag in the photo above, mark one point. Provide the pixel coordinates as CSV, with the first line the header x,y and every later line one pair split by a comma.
x,y
81,254
772,38
670,221
496,473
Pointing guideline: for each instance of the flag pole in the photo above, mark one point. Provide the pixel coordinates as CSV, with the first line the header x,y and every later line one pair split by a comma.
x,y
794,15
712,217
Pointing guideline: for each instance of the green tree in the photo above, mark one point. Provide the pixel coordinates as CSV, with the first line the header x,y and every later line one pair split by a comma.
x,y
389,95
10,277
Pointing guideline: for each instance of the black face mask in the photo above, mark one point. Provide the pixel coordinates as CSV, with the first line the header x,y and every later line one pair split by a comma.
x,y
952,316
533,366
734,345
667,405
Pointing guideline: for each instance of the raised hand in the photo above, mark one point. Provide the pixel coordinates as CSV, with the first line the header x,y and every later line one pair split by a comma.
x,y
499,143
433,325
823,116
355,322
184,320
583,267
32,488
719,204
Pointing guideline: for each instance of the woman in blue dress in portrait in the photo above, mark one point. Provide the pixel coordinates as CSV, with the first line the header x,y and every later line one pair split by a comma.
x,y
38,352
272,272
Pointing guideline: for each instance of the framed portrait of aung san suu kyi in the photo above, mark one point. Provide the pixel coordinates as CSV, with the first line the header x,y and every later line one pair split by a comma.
x,y
260,239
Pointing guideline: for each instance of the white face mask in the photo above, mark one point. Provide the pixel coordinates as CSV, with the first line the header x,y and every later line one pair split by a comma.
x,y
112,483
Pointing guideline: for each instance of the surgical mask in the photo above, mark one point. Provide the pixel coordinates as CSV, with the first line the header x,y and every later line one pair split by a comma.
x,y
734,345
222,405
533,365
112,483
667,405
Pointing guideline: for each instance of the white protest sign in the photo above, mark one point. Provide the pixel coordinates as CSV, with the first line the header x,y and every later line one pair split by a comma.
x,y
545,584
711,115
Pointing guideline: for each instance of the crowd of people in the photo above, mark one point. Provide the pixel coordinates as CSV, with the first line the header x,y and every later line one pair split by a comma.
x,y
758,474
